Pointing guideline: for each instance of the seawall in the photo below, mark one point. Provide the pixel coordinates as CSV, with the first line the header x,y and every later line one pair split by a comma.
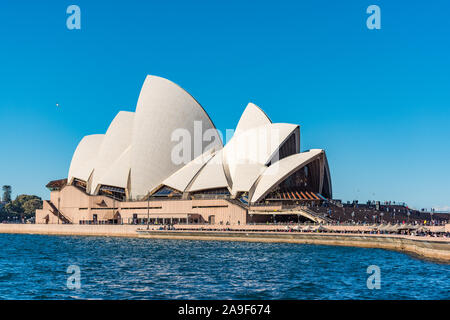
x,y
426,247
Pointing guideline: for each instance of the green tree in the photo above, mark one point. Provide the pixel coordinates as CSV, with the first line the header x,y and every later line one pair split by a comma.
x,y
30,206
23,207
3,213
6,193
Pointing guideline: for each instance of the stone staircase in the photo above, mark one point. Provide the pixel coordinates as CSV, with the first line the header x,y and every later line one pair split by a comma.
x,y
57,213
318,217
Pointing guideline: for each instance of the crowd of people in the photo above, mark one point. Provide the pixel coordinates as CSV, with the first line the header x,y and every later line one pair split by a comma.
x,y
370,213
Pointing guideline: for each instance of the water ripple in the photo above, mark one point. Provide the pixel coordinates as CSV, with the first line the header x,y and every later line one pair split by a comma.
x,y
34,267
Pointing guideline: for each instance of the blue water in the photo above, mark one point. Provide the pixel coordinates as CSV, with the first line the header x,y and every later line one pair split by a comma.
x,y
34,267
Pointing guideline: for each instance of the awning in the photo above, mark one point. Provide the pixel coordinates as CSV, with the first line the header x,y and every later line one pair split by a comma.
x,y
321,228
391,228
406,227
384,227
296,195
423,229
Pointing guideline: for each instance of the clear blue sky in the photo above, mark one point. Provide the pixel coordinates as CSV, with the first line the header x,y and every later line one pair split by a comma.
x,y
378,101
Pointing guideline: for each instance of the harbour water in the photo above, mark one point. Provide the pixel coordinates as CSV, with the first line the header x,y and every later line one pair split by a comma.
x,y
35,267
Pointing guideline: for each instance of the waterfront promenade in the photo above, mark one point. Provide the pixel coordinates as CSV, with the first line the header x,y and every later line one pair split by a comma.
x,y
437,248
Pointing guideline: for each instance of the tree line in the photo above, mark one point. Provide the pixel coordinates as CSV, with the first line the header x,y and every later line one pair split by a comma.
x,y
20,209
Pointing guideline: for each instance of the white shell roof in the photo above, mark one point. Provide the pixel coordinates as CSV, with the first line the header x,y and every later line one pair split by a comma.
x,y
280,170
181,179
118,171
84,157
163,107
211,176
111,153
136,151
252,117
248,151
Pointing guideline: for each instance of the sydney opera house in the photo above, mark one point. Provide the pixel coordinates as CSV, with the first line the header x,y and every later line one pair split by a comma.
x,y
166,163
